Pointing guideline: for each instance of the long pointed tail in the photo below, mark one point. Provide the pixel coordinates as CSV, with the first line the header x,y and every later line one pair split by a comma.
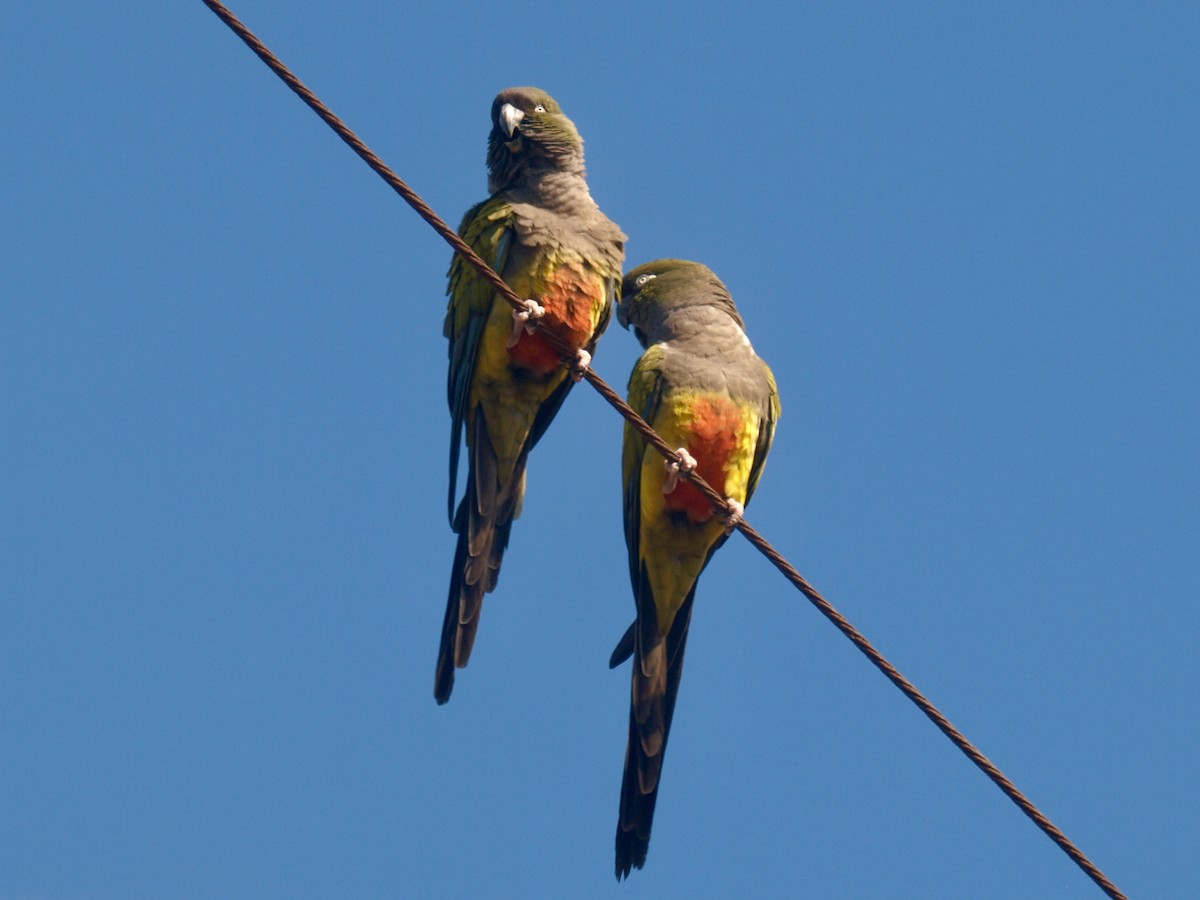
x,y
474,573
637,810
460,624
483,522
652,706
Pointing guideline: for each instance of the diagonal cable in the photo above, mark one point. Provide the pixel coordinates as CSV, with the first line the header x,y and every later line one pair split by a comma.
x,y
718,502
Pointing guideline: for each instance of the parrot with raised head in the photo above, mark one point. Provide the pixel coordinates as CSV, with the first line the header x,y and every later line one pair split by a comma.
x,y
701,386
542,232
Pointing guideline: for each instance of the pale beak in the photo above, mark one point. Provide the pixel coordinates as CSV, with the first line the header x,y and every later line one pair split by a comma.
x,y
510,118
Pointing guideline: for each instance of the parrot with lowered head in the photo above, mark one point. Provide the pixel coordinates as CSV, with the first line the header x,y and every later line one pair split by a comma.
x,y
542,232
701,386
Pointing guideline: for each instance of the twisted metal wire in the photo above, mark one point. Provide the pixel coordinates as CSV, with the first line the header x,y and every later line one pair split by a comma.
x,y
719,503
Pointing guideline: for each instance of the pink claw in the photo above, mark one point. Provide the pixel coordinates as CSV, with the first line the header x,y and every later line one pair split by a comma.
x,y
731,518
522,319
582,361
682,466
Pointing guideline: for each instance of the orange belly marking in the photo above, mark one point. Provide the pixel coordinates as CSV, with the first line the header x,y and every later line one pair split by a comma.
x,y
712,437
569,299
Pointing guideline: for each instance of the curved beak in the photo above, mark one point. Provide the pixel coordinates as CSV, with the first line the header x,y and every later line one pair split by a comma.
x,y
623,314
510,117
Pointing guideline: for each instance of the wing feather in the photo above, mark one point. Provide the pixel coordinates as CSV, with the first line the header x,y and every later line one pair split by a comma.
x,y
766,432
488,230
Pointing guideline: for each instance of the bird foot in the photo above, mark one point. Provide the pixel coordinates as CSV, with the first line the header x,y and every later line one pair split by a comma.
x,y
678,468
733,516
580,364
523,320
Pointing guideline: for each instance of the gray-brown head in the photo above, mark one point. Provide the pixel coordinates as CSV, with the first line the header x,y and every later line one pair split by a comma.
x,y
530,135
662,290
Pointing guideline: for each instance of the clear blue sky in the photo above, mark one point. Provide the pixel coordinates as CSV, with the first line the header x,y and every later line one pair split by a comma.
x,y
966,237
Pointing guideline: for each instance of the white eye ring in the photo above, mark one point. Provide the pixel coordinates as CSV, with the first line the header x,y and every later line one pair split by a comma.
x,y
642,279
539,108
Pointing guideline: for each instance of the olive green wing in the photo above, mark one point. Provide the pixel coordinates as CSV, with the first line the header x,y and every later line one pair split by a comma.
x,y
766,432
488,230
644,395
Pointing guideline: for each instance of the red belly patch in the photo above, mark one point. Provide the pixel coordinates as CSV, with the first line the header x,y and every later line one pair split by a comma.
x,y
712,437
569,298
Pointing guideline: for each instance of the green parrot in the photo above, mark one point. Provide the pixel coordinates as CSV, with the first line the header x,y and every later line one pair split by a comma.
x,y
703,389
542,232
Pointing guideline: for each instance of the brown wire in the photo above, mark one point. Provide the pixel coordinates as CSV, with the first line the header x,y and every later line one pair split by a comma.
x,y
718,502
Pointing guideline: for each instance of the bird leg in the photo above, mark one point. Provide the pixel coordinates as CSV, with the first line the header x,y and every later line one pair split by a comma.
x,y
580,364
683,466
734,515
523,320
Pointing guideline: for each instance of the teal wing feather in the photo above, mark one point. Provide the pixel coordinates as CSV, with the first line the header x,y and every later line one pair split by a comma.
x,y
488,230
766,434
644,394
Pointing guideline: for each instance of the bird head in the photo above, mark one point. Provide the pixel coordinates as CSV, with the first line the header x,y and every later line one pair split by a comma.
x,y
529,134
652,292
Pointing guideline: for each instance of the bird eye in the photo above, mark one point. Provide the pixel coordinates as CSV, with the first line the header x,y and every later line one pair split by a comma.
x,y
642,279
539,108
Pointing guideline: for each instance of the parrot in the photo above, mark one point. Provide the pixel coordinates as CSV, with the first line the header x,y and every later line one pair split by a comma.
x,y
542,232
701,386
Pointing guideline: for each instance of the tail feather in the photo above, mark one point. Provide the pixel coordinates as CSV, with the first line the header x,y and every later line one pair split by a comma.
x,y
459,625
655,687
636,814
649,688
483,470
624,648
483,522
